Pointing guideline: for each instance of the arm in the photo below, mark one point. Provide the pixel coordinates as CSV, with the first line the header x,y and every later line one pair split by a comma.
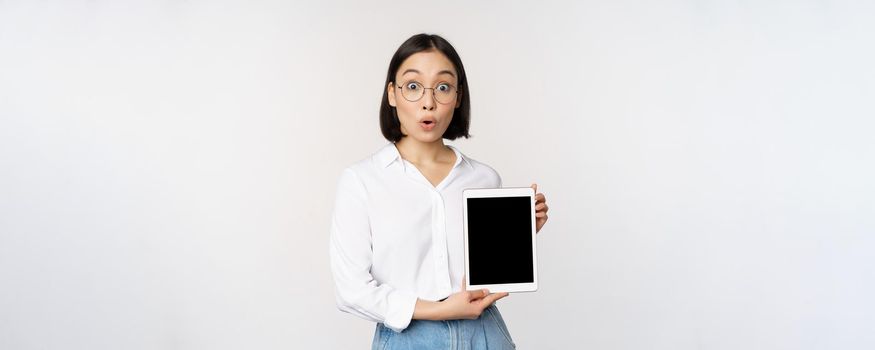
x,y
461,305
357,292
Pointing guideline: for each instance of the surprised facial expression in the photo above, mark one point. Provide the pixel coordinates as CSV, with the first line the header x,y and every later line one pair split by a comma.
x,y
431,80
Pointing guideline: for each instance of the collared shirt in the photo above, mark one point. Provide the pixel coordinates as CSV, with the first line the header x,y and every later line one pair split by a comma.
x,y
395,237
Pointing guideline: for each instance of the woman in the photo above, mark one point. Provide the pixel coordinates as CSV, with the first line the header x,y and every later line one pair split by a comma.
x,y
396,233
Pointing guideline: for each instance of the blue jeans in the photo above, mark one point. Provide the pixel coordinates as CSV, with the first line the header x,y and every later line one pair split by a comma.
x,y
486,332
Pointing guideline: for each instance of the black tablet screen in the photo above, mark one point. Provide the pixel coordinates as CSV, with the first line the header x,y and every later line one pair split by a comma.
x,y
500,240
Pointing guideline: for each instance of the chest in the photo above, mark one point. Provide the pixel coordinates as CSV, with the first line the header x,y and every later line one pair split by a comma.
x,y
435,173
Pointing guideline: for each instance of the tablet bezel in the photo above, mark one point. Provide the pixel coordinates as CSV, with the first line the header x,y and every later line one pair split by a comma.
x,y
502,192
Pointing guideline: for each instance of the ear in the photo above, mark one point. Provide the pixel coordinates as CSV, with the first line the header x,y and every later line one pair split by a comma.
x,y
390,92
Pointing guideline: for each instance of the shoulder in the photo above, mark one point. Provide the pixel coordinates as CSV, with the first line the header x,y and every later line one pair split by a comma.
x,y
483,170
370,166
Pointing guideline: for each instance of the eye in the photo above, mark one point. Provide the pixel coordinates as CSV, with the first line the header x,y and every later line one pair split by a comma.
x,y
412,86
444,87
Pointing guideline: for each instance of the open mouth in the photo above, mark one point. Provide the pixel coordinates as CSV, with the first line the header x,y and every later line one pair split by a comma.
x,y
427,125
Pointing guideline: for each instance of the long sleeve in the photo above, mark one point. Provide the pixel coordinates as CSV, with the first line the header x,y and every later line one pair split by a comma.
x,y
356,290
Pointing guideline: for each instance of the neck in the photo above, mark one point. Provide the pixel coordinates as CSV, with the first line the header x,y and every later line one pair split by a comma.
x,y
421,152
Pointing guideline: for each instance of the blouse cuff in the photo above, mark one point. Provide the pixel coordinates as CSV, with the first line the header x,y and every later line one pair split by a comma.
x,y
398,318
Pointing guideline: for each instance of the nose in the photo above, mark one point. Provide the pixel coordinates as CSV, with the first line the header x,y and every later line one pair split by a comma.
x,y
428,103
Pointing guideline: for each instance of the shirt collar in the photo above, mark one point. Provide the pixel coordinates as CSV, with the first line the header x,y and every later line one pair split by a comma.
x,y
460,157
389,154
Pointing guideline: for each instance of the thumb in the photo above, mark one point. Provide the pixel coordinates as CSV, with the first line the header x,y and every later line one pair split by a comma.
x,y
464,287
534,187
492,298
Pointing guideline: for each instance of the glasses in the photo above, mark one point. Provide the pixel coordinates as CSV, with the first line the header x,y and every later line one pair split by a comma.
x,y
443,93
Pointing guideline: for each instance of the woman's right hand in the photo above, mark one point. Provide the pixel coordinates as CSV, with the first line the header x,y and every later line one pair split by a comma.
x,y
463,304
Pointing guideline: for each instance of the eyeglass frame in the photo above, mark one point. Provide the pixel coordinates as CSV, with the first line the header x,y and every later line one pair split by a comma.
x,y
456,94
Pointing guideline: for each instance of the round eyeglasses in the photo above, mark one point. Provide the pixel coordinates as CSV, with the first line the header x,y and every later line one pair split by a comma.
x,y
443,93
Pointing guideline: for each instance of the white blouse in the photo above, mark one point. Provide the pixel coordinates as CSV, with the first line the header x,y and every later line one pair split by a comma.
x,y
395,237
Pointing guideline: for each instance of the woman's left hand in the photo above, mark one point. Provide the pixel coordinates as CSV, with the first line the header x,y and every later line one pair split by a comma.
x,y
540,209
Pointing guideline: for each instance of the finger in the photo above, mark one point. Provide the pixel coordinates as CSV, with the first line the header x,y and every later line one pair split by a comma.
x,y
477,294
545,209
541,206
541,214
540,198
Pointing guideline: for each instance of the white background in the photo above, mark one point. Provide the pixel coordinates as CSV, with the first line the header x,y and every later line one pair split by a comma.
x,y
167,169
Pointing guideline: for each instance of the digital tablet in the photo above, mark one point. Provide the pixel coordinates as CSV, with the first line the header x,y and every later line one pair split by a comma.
x,y
500,251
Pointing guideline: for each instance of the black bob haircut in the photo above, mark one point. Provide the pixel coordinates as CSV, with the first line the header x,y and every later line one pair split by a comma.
x,y
389,123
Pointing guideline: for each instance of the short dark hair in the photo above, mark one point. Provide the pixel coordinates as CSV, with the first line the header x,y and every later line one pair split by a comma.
x,y
389,123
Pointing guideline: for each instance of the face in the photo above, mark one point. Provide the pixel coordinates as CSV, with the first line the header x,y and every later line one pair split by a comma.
x,y
425,119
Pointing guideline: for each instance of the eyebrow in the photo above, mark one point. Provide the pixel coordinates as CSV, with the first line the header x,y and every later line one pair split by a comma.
x,y
439,73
